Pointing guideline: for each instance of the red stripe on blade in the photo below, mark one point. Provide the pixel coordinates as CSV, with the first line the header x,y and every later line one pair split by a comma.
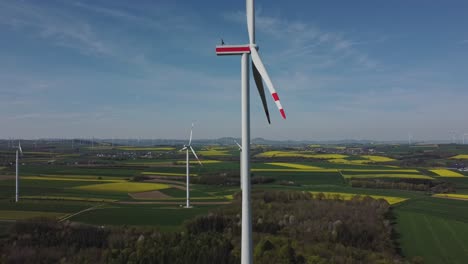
x,y
275,96
233,49
283,114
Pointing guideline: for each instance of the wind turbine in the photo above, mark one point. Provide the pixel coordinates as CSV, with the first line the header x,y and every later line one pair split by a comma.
x,y
259,73
186,148
464,135
240,150
19,151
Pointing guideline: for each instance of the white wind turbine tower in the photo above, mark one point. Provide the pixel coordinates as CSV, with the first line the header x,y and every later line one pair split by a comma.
x,y
19,151
464,135
240,150
186,148
259,74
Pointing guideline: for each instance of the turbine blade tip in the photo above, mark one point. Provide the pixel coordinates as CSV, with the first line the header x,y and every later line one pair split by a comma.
x,y
282,113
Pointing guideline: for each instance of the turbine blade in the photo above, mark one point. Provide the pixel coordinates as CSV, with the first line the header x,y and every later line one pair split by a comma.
x,y
261,69
184,148
20,149
195,154
190,140
240,147
261,90
250,10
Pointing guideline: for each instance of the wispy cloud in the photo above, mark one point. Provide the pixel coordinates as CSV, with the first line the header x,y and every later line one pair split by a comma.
x,y
299,39
60,26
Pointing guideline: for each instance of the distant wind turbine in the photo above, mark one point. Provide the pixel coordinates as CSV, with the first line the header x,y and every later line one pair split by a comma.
x,y
19,151
186,148
464,135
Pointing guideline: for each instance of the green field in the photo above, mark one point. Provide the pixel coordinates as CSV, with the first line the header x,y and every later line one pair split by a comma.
x,y
21,215
441,223
125,187
167,217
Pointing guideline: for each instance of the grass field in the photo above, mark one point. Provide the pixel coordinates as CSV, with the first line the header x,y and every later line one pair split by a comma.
x,y
166,173
387,175
62,178
21,215
194,162
435,229
125,187
446,173
67,198
167,217
348,196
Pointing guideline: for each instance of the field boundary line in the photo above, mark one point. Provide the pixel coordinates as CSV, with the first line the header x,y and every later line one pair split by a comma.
x,y
80,212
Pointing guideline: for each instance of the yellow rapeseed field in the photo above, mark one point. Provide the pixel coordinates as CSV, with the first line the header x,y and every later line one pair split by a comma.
x,y
461,156
213,152
451,195
126,187
294,166
377,158
348,196
446,173
300,154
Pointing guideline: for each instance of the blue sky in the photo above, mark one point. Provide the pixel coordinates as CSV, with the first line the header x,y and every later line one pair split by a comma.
x,y
343,69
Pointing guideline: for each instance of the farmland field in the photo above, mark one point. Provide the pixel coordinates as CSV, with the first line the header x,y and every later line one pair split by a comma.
x,y
461,156
442,225
20,215
167,217
387,175
293,165
147,148
272,154
125,187
377,158
349,196
446,173
452,196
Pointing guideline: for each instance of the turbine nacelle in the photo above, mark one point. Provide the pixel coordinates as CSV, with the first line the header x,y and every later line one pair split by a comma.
x,y
260,73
